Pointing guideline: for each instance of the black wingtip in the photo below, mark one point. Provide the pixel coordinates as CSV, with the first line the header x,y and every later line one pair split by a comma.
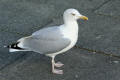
x,y
5,46
13,46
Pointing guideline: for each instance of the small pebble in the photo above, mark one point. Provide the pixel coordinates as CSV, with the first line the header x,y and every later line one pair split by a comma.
x,y
94,52
116,62
99,36
76,76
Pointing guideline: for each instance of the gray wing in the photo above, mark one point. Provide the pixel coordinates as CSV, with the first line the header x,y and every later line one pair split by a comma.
x,y
48,40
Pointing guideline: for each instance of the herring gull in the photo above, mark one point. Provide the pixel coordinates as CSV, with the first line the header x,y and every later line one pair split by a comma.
x,y
54,40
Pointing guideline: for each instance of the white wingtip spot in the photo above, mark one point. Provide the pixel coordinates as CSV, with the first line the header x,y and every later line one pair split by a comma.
x,y
4,46
13,50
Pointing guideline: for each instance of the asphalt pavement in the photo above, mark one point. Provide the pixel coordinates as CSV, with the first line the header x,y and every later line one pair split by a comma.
x,y
97,52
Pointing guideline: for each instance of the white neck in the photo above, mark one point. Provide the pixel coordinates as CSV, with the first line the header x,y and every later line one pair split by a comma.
x,y
71,24
69,21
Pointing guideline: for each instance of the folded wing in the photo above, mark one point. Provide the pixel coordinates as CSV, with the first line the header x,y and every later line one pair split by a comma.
x,y
48,40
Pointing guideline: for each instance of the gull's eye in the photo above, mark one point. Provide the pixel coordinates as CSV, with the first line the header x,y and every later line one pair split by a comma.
x,y
73,14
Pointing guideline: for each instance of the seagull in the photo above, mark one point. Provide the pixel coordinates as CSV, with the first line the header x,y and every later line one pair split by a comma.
x,y
54,40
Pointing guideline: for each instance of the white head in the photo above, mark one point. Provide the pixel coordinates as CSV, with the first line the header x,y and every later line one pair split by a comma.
x,y
73,14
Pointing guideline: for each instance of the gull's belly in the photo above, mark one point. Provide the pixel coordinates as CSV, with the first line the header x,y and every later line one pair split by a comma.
x,y
73,42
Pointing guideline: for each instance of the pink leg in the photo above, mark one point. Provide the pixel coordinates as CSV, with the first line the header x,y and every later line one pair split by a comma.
x,y
56,71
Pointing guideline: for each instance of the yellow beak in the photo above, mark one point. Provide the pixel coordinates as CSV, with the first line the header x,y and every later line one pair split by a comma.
x,y
84,17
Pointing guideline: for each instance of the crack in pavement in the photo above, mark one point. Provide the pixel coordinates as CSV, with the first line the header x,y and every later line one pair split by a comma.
x,y
98,52
101,5
109,15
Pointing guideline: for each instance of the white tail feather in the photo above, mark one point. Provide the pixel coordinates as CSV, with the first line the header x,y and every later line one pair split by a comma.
x,y
14,50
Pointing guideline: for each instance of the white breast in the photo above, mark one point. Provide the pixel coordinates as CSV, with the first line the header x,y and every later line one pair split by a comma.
x,y
72,34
